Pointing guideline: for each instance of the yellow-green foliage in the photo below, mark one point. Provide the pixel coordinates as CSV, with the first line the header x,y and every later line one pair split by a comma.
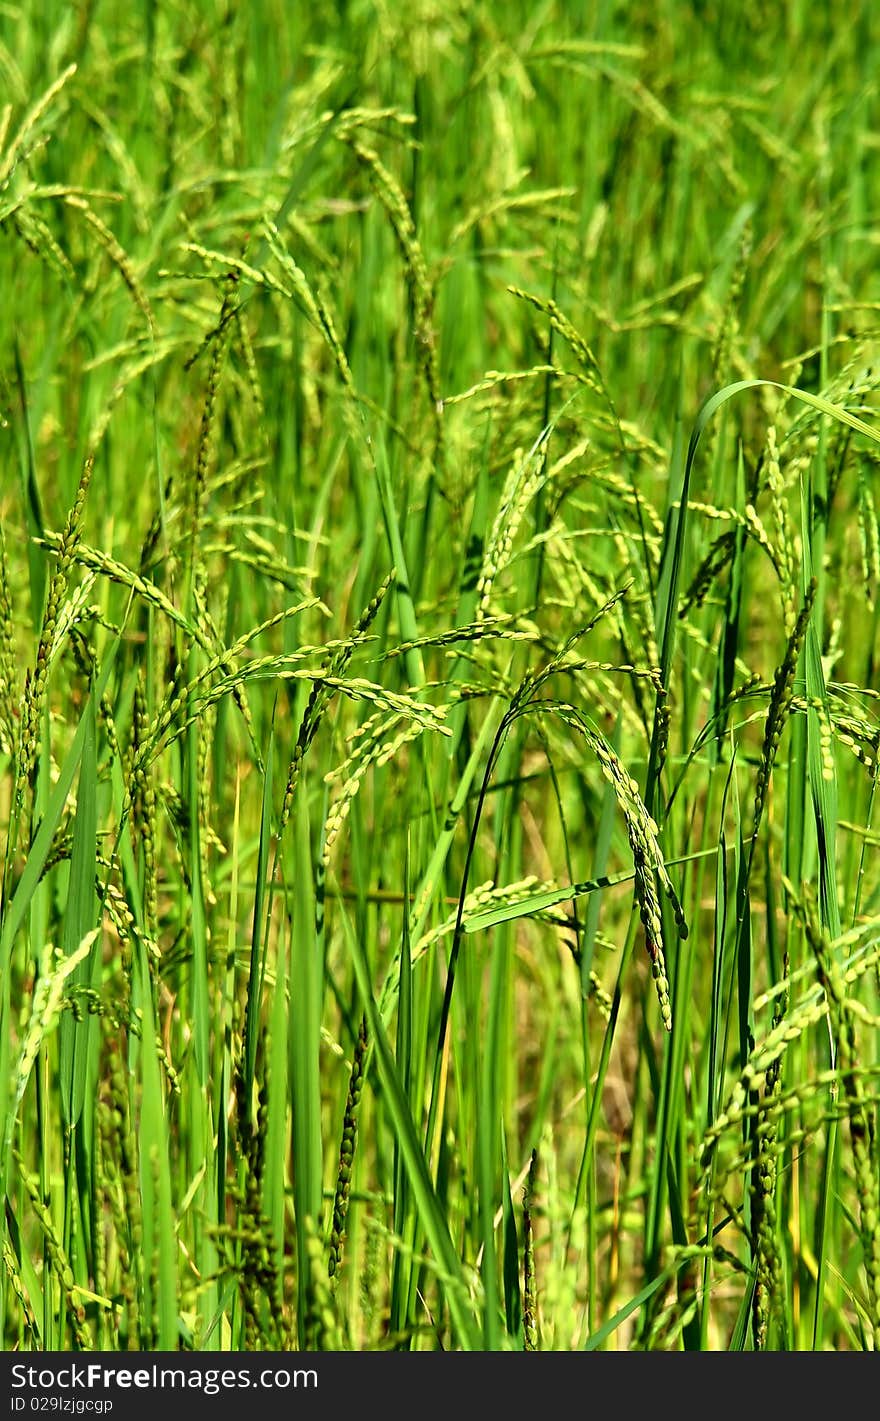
x,y
439,724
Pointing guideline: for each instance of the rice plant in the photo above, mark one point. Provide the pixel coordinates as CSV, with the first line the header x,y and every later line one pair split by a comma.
x,y
439,732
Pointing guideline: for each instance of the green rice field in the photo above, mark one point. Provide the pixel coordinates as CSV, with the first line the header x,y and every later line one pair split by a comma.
x,y
439,696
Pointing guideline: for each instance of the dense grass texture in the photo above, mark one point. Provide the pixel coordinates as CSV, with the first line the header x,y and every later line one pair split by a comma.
x,y
439,735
